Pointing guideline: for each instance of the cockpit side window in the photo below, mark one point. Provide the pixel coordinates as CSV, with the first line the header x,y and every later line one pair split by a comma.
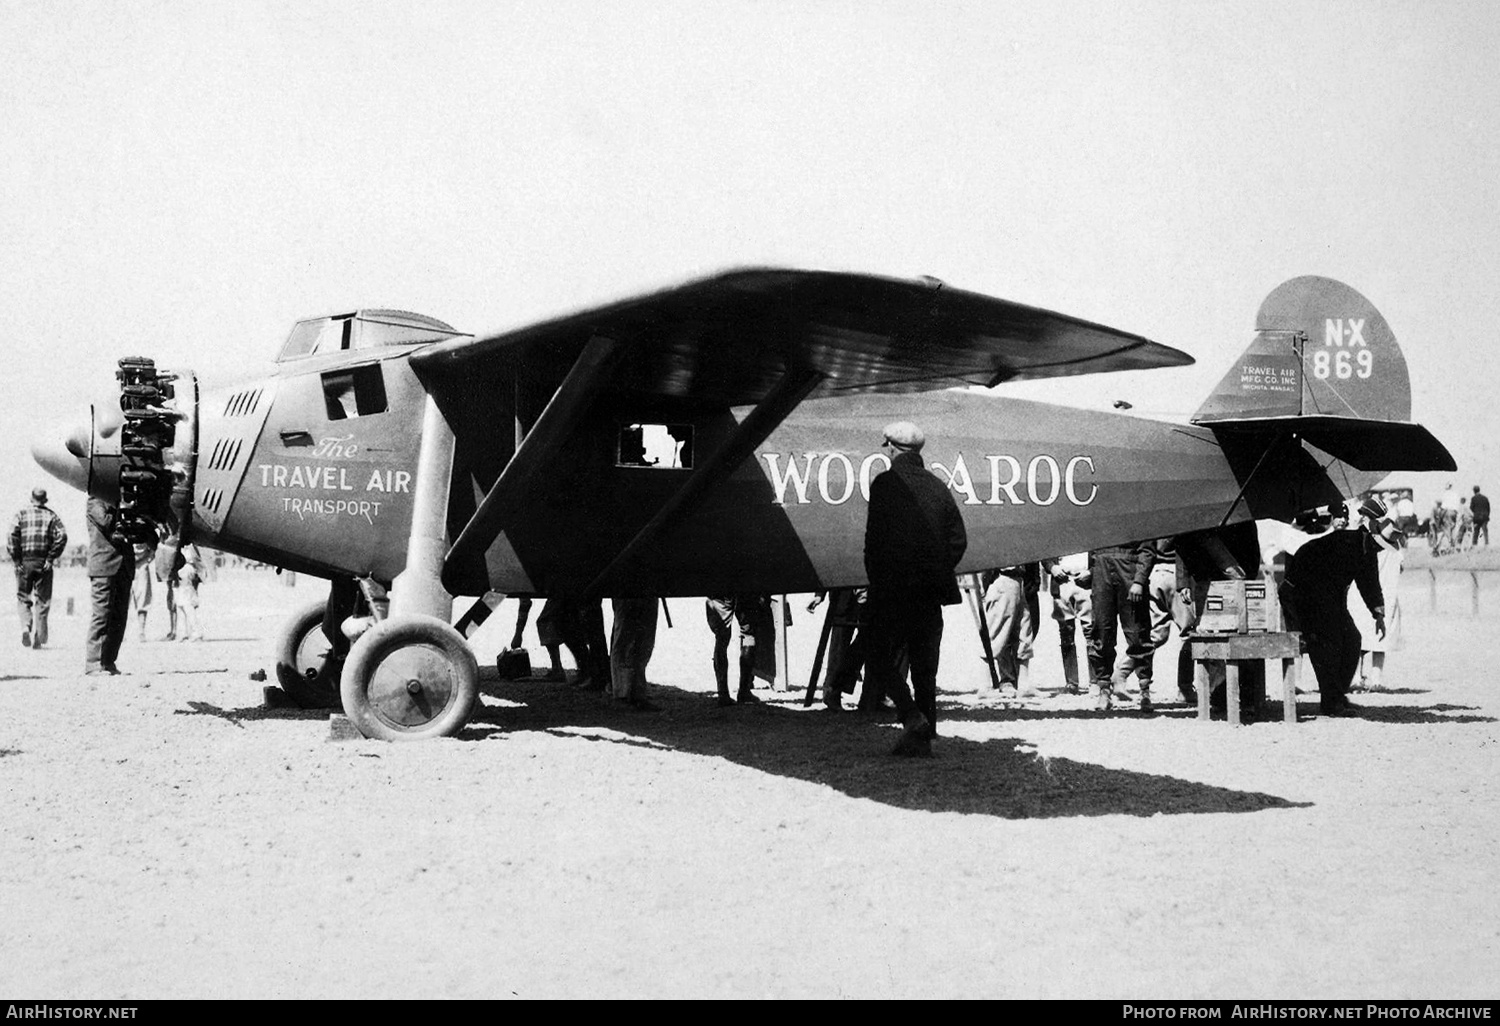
x,y
319,335
357,392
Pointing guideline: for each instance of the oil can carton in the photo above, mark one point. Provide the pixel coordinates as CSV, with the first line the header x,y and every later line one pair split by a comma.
x,y
1262,605
1255,607
1224,609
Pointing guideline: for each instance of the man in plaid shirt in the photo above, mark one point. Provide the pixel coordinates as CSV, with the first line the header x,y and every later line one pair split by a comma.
x,y
37,540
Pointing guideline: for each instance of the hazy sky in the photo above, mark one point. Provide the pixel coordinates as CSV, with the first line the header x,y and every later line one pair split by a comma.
x,y
185,180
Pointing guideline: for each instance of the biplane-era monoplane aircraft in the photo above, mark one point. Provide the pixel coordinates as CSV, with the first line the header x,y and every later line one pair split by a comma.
x,y
719,436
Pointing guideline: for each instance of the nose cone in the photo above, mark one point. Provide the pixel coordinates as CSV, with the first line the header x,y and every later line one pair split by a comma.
x,y
65,453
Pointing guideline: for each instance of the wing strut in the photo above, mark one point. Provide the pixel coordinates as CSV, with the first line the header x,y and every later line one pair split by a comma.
x,y
563,412
1245,486
771,411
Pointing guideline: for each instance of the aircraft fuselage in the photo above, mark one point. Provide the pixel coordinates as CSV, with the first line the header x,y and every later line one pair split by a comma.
x,y
287,475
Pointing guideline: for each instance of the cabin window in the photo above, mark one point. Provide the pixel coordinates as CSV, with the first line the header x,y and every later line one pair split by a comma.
x,y
657,446
358,392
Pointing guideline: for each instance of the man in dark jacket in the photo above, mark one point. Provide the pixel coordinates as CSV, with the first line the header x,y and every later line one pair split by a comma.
x,y
914,538
1479,509
111,570
1315,600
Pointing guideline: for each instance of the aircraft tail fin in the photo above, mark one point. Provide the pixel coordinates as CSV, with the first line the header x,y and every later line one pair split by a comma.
x,y
1324,365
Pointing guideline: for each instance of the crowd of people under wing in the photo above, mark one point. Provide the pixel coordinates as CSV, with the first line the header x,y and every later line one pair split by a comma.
x,y
1337,570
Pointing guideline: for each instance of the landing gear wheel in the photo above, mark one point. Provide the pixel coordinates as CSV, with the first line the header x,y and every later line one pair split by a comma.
x,y
306,667
410,678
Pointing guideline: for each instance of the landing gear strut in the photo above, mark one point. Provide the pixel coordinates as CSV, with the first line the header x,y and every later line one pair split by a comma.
x,y
411,676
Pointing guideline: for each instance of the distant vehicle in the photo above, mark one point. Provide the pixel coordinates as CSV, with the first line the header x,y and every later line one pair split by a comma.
x,y
1403,509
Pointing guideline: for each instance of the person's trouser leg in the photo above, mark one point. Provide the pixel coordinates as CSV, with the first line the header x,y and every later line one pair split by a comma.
x,y
1328,648
718,612
119,611
924,646
23,600
1003,608
94,647
41,605
887,653
1026,631
1068,641
837,651
751,615
1135,622
633,641
1102,637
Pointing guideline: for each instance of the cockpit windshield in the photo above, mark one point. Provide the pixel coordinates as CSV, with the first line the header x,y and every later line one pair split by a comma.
x,y
363,329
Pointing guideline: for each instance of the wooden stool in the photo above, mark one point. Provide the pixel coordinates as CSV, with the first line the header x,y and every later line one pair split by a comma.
x,y
1234,649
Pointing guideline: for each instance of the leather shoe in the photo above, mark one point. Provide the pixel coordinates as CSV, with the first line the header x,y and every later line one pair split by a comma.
x,y
746,697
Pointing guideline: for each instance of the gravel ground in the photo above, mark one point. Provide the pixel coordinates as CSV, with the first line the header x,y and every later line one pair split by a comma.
x,y
167,836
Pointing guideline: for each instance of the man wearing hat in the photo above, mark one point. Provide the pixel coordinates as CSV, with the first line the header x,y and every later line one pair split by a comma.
x,y
914,538
1315,600
37,540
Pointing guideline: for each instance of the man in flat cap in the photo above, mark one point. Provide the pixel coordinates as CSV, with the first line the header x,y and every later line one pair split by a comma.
x,y
37,540
914,538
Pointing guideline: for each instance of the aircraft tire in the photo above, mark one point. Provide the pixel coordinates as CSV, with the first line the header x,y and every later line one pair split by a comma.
x,y
409,678
305,665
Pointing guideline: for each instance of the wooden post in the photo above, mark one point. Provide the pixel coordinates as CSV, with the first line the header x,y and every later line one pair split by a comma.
x,y
1232,691
783,664
1431,590
1473,593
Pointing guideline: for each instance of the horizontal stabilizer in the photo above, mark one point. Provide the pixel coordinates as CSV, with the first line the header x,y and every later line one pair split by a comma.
x,y
1369,445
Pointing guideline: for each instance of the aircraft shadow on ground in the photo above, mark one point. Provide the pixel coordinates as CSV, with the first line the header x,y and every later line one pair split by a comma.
x,y
1269,714
238,717
1440,713
1004,777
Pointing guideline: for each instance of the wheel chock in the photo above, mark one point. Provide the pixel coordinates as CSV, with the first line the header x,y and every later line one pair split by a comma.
x,y
341,728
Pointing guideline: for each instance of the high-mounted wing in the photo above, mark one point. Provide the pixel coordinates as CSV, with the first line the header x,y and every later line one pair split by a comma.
x,y
731,339
770,338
